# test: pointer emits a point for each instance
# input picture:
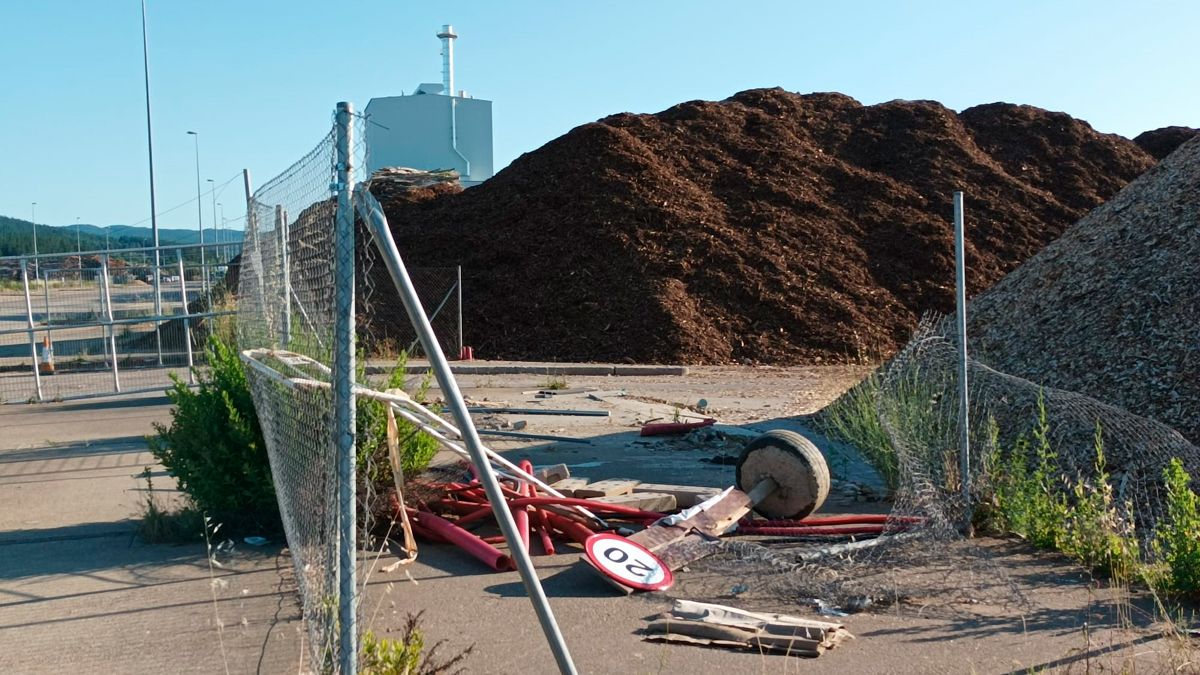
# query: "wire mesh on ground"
(924, 556)
(96, 313)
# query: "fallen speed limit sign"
(627, 563)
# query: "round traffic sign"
(628, 563)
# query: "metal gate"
(95, 323)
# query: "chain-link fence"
(94, 323)
(286, 306)
(925, 554)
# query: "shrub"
(854, 418)
(383, 656)
(416, 448)
(214, 447)
(1177, 539)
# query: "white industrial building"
(432, 128)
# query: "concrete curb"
(508, 368)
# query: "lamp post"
(199, 207)
(153, 207)
(33, 219)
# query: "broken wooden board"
(606, 488)
(720, 625)
(686, 496)
(568, 486)
(646, 501)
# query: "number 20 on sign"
(627, 563)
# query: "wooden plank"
(686, 496)
(607, 488)
(655, 538)
(568, 486)
(647, 501)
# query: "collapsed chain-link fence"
(925, 557)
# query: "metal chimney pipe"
(447, 36)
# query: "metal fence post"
(458, 285)
(960, 298)
(106, 307)
(386, 244)
(37, 376)
(343, 397)
(281, 229)
(187, 329)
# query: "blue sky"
(258, 79)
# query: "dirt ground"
(1022, 612)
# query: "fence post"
(343, 397)
(458, 285)
(37, 376)
(187, 329)
(106, 307)
(386, 244)
(281, 220)
(960, 297)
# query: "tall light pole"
(33, 219)
(199, 208)
(153, 208)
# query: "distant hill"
(16, 237)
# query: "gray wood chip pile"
(1112, 308)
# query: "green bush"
(416, 447)
(407, 655)
(1078, 517)
(854, 418)
(1177, 539)
(214, 447)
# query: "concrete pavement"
(80, 593)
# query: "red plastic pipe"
(674, 427)
(810, 531)
(480, 549)
(576, 531)
(543, 529)
(587, 504)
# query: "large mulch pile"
(1162, 142)
(767, 228)
(1112, 308)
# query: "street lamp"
(220, 227)
(199, 207)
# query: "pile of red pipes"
(464, 507)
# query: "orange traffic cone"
(46, 365)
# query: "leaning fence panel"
(286, 301)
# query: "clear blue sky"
(259, 79)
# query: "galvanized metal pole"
(153, 207)
(458, 285)
(343, 392)
(106, 296)
(462, 417)
(37, 376)
(960, 298)
(187, 329)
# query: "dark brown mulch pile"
(768, 228)
(1162, 142)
